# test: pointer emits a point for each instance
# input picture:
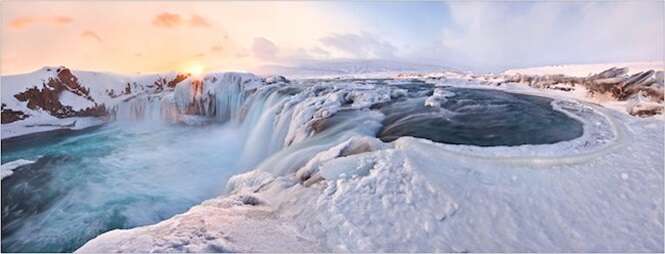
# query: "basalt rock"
(47, 97)
(10, 115)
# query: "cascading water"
(151, 164)
(142, 168)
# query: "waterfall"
(145, 108)
(283, 124)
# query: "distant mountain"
(345, 67)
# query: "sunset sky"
(141, 36)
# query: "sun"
(195, 69)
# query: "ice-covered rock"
(276, 79)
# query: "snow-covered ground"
(42, 122)
(415, 195)
(584, 70)
(328, 184)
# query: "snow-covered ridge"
(639, 86)
(59, 98)
(584, 70)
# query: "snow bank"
(46, 123)
(239, 223)
(584, 70)
(7, 168)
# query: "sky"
(145, 36)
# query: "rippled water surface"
(480, 117)
(117, 176)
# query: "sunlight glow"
(195, 69)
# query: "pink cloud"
(21, 22)
(25, 21)
(198, 21)
(61, 20)
(167, 20)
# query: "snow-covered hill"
(59, 98)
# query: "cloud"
(167, 20)
(303, 54)
(21, 22)
(317, 51)
(25, 21)
(198, 21)
(60, 20)
(497, 35)
(91, 35)
(263, 48)
(171, 20)
(363, 45)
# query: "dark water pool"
(480, 117)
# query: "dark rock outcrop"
(10, 115)
(613, 82)
(162, 83)
(47, 97)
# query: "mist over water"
(119, 176)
